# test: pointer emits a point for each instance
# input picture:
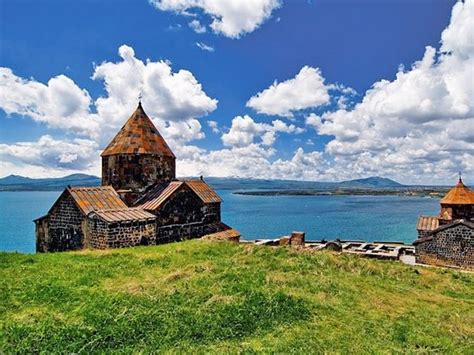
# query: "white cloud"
(205, 47)
(254, 161)
(305, 90)
(245, 130)
(51, 155)
(168, 96)
(173, 99)
(418, 127)
(197, 26)
(213, 125)
(229, 18)
(60, 103)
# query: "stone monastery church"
(448, 238)
(140, 201)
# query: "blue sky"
(344, 44)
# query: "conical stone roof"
(138, 136)
(459, 195)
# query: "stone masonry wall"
(184, 207)
(185, 216)
(137, 171)
(42, 231)
(63, 229)
(120, 234)
(178, 232)
(450, 247)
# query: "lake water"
(370, 218)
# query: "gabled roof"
(156, 196)
(459, 195)
(138, 136)
(123, 215)
(204, 191)
(90, 199)
(427, 223)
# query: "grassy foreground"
(205, 296)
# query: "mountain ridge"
(23, 183)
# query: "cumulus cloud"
(169, 97)
(60, 103)
(245, 130)
(305, 90)
(62, 155)
(418, 126)
(174, 99)
(229, 18)
(254, 161)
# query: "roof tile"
(138, 135)
(204, 191)
(122, 215)
(459, 195)
(90, 199)
(427, 223)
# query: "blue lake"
(371, 218)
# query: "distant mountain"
(21, 183)
(371, 182)
(374, 182)
(16, 180)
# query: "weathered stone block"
(297, 239)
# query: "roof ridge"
(90, 187)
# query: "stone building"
(140, 201)
(448, 239)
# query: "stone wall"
(184, 207)
(448, 247)
(465, 212)
(178, 232)
(120, 234)
(62, 229)
(137, 171)
(185, 216)
(42, 231)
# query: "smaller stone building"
(65, 226)
(448, 245)
(448, 239)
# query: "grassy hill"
(220, 297)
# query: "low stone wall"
(449, 247)
(178, 232)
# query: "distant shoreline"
(406, 192)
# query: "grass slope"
(221, 297)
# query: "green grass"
(199, 296)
